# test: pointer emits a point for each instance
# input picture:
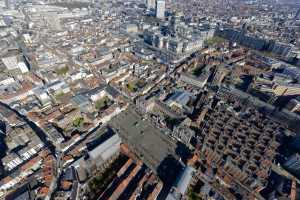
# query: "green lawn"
(132, 87)
(78, 122)
(102, 103)
(193, 195)
(214, 41)
(59, 95)
(62, 71)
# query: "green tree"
(78, 122)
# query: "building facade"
(160, 9)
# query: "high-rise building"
(160, 9)
(150, 4)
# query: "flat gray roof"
(151, 144)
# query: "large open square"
(147, 141)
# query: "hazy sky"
(290, 1)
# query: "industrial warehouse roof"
(181, 185)
(107, 148)
(181, 97)
(184, 179)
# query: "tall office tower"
(176, 22)
(160, 9)
(150, 4)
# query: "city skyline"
(149, 100)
